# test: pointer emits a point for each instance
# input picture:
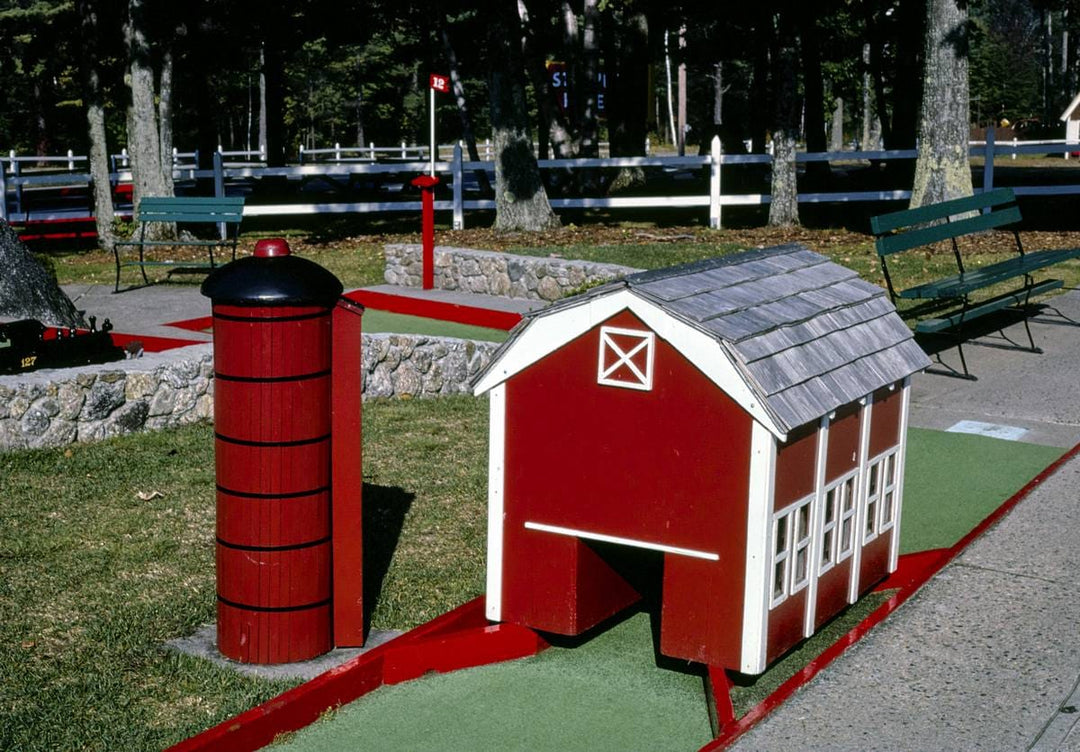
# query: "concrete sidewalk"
(986, 656)
(148, 311)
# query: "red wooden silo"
(272, 317)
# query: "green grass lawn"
(94, 579)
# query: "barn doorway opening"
(643, 570)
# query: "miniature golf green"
(607, 692)
(376, 321)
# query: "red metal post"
(346, 477)
(426, 184)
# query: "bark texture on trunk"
(942, 170)
(628, 105)
(144, 144)
(95, 120)
(521, 202)
(165, 126)
(784, 208)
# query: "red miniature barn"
(743, 416)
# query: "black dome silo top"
(272, 277)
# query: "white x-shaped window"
(626, 358)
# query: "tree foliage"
(355, 71)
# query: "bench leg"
(142, 266)
(116, 254)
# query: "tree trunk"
(814, 90)
(909, 75)
(273, 77)
(521, 203)
(759, 101)
(95, 120)
(784, 208)
(683, 126)
(628, 105)
(462, 105)
(836, 137)
(555, 123)
(262, 106)
(165, 120)
(588, 140)
(144, 143)
(670, 91)
(865, 141)
(943, 171)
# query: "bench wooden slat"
(200, 217)
(229, 201)
(884, 223)
(976, 279)
(917, 238)
(1016, 297)
(181, 243)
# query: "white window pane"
(804, 522)
(779, 576)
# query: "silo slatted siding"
(272, 435)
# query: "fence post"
(337, 151)
(714, 184)
(71, 160)
(301, 157)
(219, 186)
(403, 153)
(456, 174)
(371, 146)
(988, 164)
(1014, 144)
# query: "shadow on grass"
(384, 513)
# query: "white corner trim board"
(758, 545)
(496, 501)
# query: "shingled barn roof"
(806, 335)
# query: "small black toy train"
(28, 344)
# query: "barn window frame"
(883, 482)
(795, 522)
(846, 487)
(625, 358)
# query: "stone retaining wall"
(56, 407)
(504, 274)
(53, 407)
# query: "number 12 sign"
(439, 83)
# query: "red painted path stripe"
(435, 309)
(920, 568)
(459, 639)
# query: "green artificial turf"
(953, 481)
(604, 694)
(399, 323)
(94, 578)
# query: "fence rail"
(348, 162)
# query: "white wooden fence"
(344, 163)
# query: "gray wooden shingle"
(807, 335)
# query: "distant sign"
(560, 85)
(440, 83)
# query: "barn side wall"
(665, 466)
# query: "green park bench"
(950, 220)
(182, 210)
